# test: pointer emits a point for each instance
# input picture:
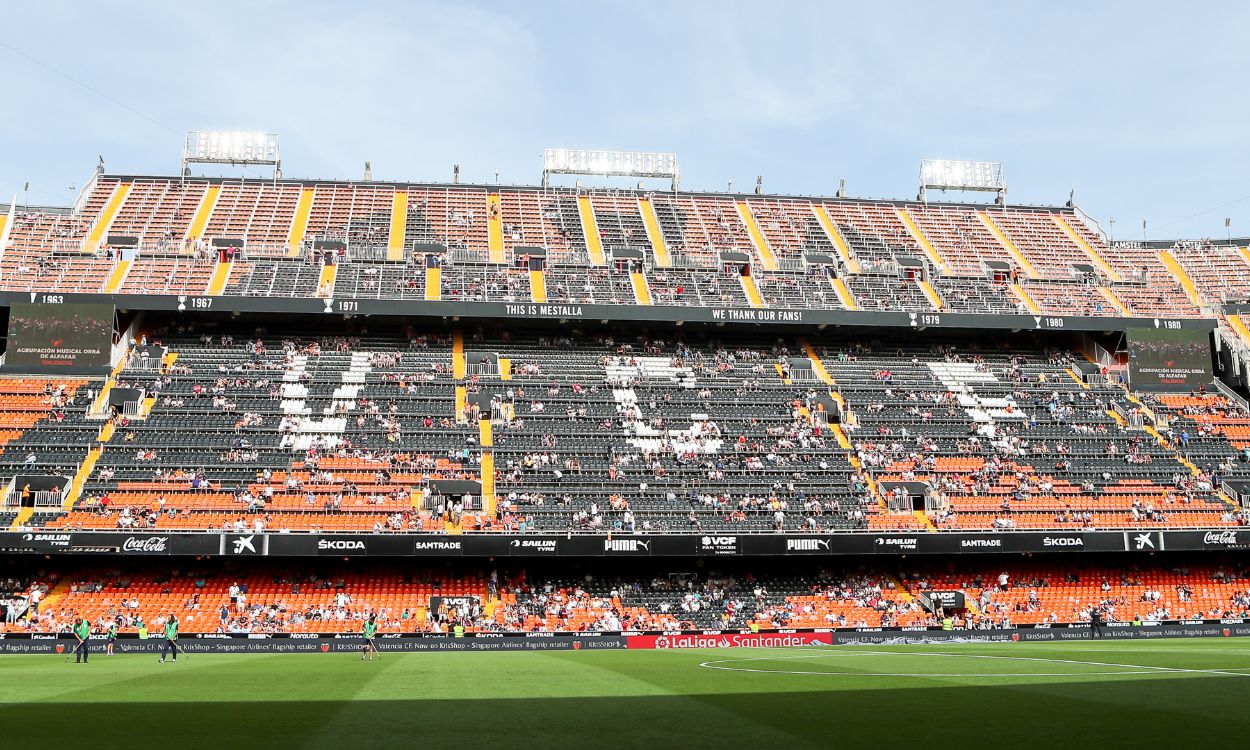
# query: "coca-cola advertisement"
(151, 545)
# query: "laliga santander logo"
(662, 642)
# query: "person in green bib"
(111, 632)
(171, 637)
(370, 632)
(82, 632)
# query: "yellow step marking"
(117, 276)
(457, 355)
(844, 294)
(1109, 295)
(299, 224)
(486, 434)
(538, 286)
(489, 499)
(843, 441)
(1075, 378)
(494, 226)
(752, 291)
(818, 366)
(1008, 245)
(23, 515)
(757, 237)
(1029, 303)
(433, 284)
(929, 250)
(203, 212)
(1081, 243)
(221, 275)
(641, 293)
(399, 225)
(325, 283)
(462, 403)
(782, 373)
(590, 228)
(931, 294)
(835, 236)
(923, 518)
(652, 223)
(1239, 326)
(85, 469)
(505, 368)
(105, 219)
(1174, 266)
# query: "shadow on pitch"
(1159, 711)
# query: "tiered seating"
(169, 275)
(43, 426)
(580, 455)
(359, 215)
(977, 296)
(697, 228)
(380, 281)
(619, 220)
(260, 212)
(797, 290)
(274, 278)
(543, 219)
(679, 287)
(1046, 455)
(790, 227)
(159, 212)
(485, 284)
(887, 293)
(873, 232)
(961, 237)
(1036, 235)
(1047, 592)
(295, 600)
(299, 438)
(1163, 296)
(587, 285)
(451, 216)
(1070, 299)
(1220, 272)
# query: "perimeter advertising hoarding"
(72, 337)
(350, 643)
(229, 544)
(1169, 359)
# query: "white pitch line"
(1135, 668)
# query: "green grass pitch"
(1097, 694)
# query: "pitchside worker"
(1095, 623)
(171, 637)
(370, 631)
(112, 636)
(82, 631)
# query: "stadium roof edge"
(538, 188)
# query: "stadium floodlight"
(232, 147)
(609, 163)
(952, 174)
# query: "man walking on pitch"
(82, 631)
(1095, 623)
(171, 637)
(369, 632)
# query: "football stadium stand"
(313, 367)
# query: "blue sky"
(1138, 106)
